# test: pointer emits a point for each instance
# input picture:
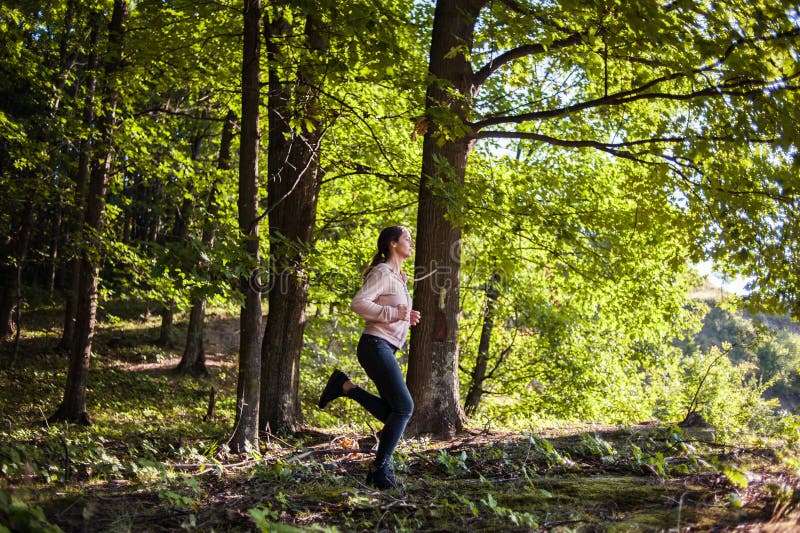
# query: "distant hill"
(776, 354)
(713, 295)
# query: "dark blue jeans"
(394, 407)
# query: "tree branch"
(720, 89)
(672, 162)
(516, 7)
(522, 51)
(562, 111)
(731, 88)
(596, 144)
(611, 148)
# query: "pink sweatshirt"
(377, 302)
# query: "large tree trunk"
(245, 433)
(433, 358)
(293, 190)
(73, 406)
(81, 181)
(194, 356)
(481, 362)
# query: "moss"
(620, 492)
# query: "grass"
(152, 461)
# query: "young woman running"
(385, 304)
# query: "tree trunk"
(71, 305)
(12, 275)
(433, 358)
(81, 181)
(66, 63)
(293, 191)
(73, 406)
(8, 301)
(179, 238)
(193, 360)
(194, 356)
(167, 313)
(51, 278)
(245, 433)
(11, 298)
(479, 371)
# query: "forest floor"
(154, 460)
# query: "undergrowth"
(154, 460)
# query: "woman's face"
(404, 246)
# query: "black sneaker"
(333, 389)
(381, 477)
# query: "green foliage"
(725, 393)
(16, 515)
(149, 457)
(598, 447)
(516, 518)
(544, 451)
(265, 520)
(453, 464)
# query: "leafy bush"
(16, 515)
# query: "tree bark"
(433, 358)
(293, 190)
(81, 181)
(167, 313)
(73, 406)
(245, 433)
(479, 371)
(193, 360)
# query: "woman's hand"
(402, 312)
(412, 316)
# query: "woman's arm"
(377, 283)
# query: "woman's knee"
(405, 407)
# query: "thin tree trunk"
(245, 432)
(433, 359)
(51, 278)
(293, 191)
(180, 233)
(66, 63)
(11, 301)
(12, 293)
(479, 371)
(7, 301)
(73, 406)
(167, 313)
(71, 305)
(194, 356)
(179, 238)
(81, 182)
(193, 360)
(17, 317)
